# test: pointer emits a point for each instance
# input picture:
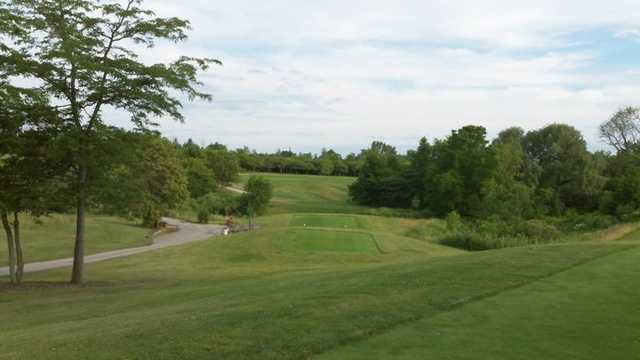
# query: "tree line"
(518, 175)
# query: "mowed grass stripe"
(580, 313)
(287, 316)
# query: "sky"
(308, 75)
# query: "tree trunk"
(78, 252)
(18, 242)
(11, 246)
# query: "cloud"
(339, 74)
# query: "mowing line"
(462, 302)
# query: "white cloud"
(341, 73)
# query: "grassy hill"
(309, 193)
(336, 285)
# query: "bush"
(454, 221)
(536, 229)
(588, 222)
(203, 216)
(466, 241)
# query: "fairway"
(331, 221)
(325, 240)
(586, 312)
(309, 193)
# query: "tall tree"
(561, 153)
(622, 131)
(83, 53)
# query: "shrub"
(588, 222)
(466, 241)
(454, 221)
(536, 229)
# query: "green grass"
(309, 193)
(331, 221)
(52, 237)
(244, 297)
(324, 240)
(582, 313)
(343, 285)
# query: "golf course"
(312, 283)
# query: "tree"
(200, 178)
(561, 154)
(28, 168)
(83, 54)
(462, 164)
(507, 194)
(146, 181)
(223, 164)
(382, 180)
(622, 131)
(255, 201)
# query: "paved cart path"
(186, 233)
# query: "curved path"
(186, 233)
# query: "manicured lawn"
(310, 193)
(245, 296)
(331, 221)
(586, 312)
(327, 240)
(311, 283)
(52, 237)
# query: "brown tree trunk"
(11, 245)
(18, 242)
(78, 252)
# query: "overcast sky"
(339, 74)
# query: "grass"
(340, 285)
(309, 193)
(334, 241)
(332, 221)
(581, 313)
(244, 297)
(52, 237)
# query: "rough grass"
(52, 237)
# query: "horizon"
(308, 76)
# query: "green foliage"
(454, 221)
(380, 182)
(465, 240)
(223, 164)
(218, 203)
(561, 154)
(255, 201)
(146, 182)
(451, 173)
(201, 180)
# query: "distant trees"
(328, 162)
(517, 176)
